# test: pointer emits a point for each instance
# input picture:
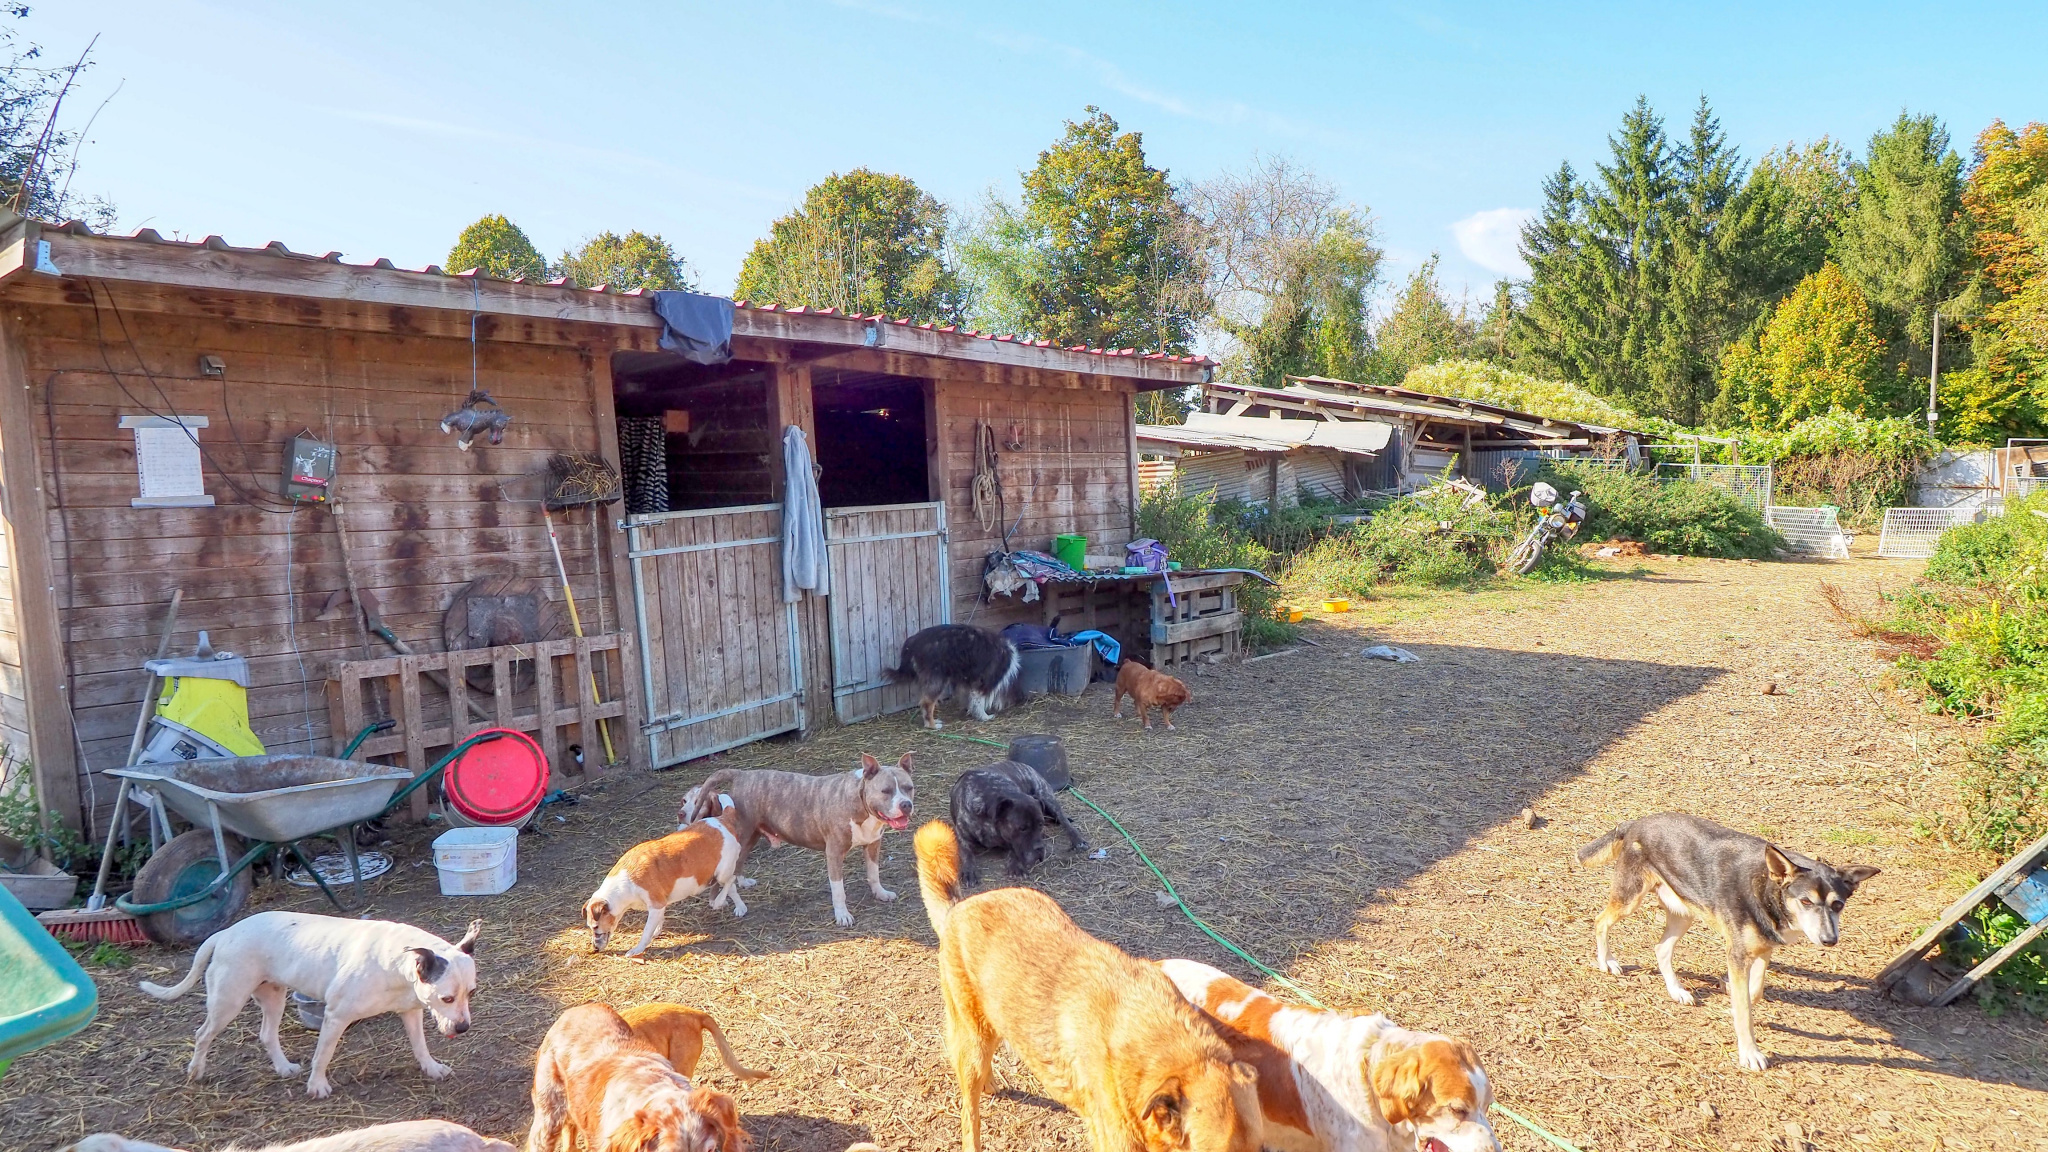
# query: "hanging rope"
(986, 496)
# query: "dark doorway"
(871, 438)
(692, 435)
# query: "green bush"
(1431, 538)
(1676, 516)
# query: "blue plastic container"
(45, 996)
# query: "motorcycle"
(1556, 523)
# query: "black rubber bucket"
(1046, 754)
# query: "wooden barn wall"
(13, 696)
(424, 518)
(1073, 474)
(727, 456)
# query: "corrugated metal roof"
(278, 249)
(1211, 431)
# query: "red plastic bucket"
(498, 781)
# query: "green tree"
(1422, 328)
(635, 260)
(1292, 269)
(496, 247)
(1819, 353)
(2004, 392)
(38, 156)
(1904, 241)
(1805, 192)
(1641, 276)
(863, 241)
(1100, 253)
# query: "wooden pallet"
(1198, 621)
(1997, 884)
(418, 692)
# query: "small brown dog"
(1148, 690)
(597, 1082)
(678, 1034)
(1105, 1034)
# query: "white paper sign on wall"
(167, 461)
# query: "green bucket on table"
(1071, 550)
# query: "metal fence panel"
(1749, 483)
(1809, 531)
(1913, 533)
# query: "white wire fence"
(1810, 531)
(1749, 483)
(1914, 533)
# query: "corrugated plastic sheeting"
(1321, 473)
(1809, 531)
(1913, 533)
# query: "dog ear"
(1162, 1117)
(1781, 866)
(1856, 874)
(1399, 1084)
(904, 763)
(720, 1109)
(427, 964)
(639, 1133)
(869, 766)
(594, 908)
(467, 945)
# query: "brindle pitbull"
(830, 814)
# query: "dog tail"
(1600, 853)
(938, 870)
(199, 963)
(725, 1053)
(702, 800)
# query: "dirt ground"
(1352, 822)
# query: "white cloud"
(1490, 239)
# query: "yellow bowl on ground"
(1336, 605)
(1293, 615)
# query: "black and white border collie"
(947, 657)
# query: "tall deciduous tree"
(862, 241)
(37, 153)
(1904, 241)
(635, 260)
(2004, 392)
(1820, 352)
(1805, 192)
(1422, 328)
(1100, 253)
(496, 247)
(1292, 268)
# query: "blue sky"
(380, 129)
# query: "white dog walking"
(404, 1136)
(356, 968)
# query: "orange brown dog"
(597, 1083)
(1148, 690)
(654, 874)
(1335, 1082)
(1105, 1034)
(678, 1034)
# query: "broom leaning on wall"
(579, 480)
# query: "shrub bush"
(1432, 538)
(1200, 534)
(1679, 516)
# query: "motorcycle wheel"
(1524, 558)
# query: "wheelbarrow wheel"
(180, 868)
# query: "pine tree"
(1904, 242)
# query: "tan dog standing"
(1105, 1034)
(595, 1082)
(678, 1034)
(828, 814)
(1337, 1082)
(657, 873)
(1148, 690)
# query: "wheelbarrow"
(198, 881)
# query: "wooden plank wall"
(424, 518)
(726, 457)
(13, 692)
(1072, 474)
(883, 590)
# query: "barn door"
(719, 657)
(888, 581)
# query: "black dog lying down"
(1005, 807)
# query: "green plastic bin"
(44, 995)
(1071, 551)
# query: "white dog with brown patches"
(1336, 1082)
(655, 874)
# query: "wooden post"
(1131, 456)
(628, 742)
(790, 403)
(45, 688)
(1465, 461)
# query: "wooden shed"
(117, 352)
(1429, 434)
(1254, 461)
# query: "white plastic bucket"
(477, 861)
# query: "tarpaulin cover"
(695, 326)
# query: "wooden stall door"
(719, 655)
(888, 580)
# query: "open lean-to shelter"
(165, 407)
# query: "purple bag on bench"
(1147, 554)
